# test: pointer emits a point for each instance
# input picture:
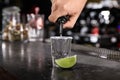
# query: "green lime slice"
(66, 62)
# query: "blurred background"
(98, 25)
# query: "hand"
(66, 7)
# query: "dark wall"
(28, 6)
(2, 5)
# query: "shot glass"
(60, 48)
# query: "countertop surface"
(32, 61)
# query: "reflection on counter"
(27, 61)
(9, 51)
(32, 61)
(59, 74)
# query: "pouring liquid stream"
(61, 29)
(62, 20)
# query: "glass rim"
(61, 37)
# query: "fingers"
(54, 16)
(71, 22)
(56, 13)
(58, 10)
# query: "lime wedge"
(66, 62)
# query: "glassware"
(60, 47)
(13, 29)
(36, 27)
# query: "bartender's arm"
(72, 8)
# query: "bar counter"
(32, 61)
